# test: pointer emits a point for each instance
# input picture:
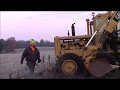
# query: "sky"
(26, 25)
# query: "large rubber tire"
(73, 57)
(107, 56)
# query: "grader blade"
(99, 67)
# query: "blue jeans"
(31, 66)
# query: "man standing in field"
(31, 54)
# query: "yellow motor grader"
(98, 52)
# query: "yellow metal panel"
(74, 37)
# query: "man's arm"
(23, 55)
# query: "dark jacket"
(30, 55)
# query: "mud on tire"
(73, 57)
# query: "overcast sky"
(25, 25)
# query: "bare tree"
(42, 43)
(10, 44)
(2, 45)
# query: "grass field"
(10, 66)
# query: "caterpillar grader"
(98, 52)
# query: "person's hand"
(39, 60)
(21, 62)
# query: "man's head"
(32, 42)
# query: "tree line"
(11, 44)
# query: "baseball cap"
(32, 41)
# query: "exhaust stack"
(73, 29)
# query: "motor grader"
(97, 52)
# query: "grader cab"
(97, 52)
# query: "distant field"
(10, 62)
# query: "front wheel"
(70, 64)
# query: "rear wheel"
(69, 64)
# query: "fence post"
(49, 60)
(43, 58)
